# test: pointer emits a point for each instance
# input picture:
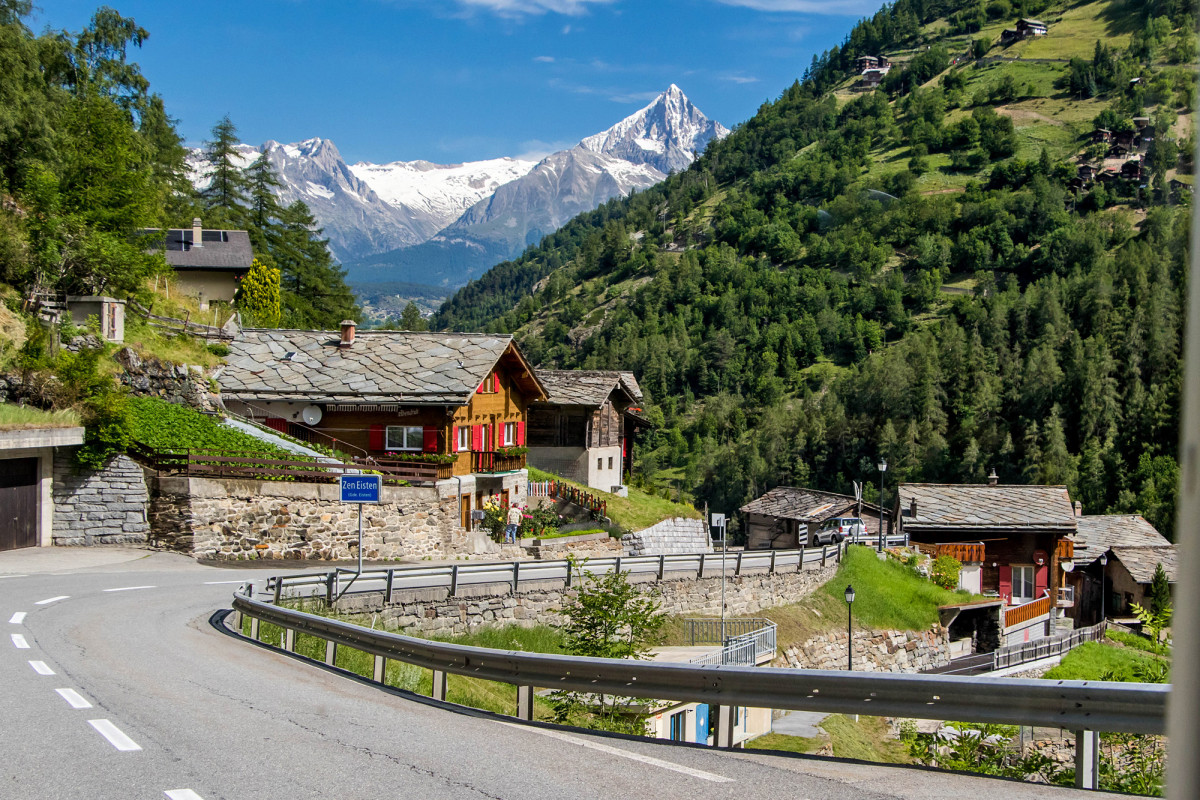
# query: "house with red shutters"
(457, 400)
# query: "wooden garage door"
(18, 503)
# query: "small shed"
(108, 311)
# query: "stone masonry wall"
(185, 385)
(678, 535)
(244, 519)
(874, 651)
(433, 611)
(105, 506)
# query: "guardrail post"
(391, 578)
(737, 569)
(662, 563)
(254, 628)
(453, 580)
(278, 589)
(439, 685)
(330, 652)
(824, 553)
(800, 563)
(724, 726)
(700, 574)
(380, 668)
(525, 703)
(330, 578)
(516, 575)
(289, 640)
(1087, 759)
(618, 567)
(771, 570)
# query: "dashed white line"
(616, 751)
(19, 642)
(14, 576)
(182, 794)
(114, 735)
(50, 600)
(17, 618)
(74, 698)
(129, 588)
(40, 668)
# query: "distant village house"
(207, 263)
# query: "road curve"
(117, 685)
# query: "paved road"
(116, 685)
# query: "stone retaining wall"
(433, 611)
(678, 535)
(600, 545)
(105, 506)
(245, 519)
(176, 383)
(874, 651)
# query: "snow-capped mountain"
(431, 223)
(668, 134)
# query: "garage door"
(18, 503)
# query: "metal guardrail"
(716, 631)
(1015, 654)
(516, 573)
(753, 641)
(1086, 707)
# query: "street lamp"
(850, 627)
(882, 469)
(1103, 561)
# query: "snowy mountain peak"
(667, 134)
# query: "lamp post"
(1103, 561)
(849, 627)
(882, 469)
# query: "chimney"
(197, 233)
(912, 507)
(348, 326)
(993, 479)
(1078, 508)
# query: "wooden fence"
(572, 494)
(180, 326)
(963, 553)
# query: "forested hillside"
(919, 271)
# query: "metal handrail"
(1076, 705)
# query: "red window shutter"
(1041, 580)
(430, 435)
(1006, 583)
(499, 435)
(495, 381)
(375, 437)
(476, 438)
(521, 433)
(481, 385)
(453, 438)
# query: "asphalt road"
(116, 684)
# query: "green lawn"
(1093, 661)
(1074, 31)
(639, 510)
(15, 418)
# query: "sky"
(461, 80)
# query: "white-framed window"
(464, 438)
(404, 437)
(510, 434)
(1022, 584)
(599, 463)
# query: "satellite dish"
(311, 415)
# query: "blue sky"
(461, 80)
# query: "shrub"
(945, 572)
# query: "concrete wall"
(580, 465)
(105, 506)
(207, 285)
(42, 444)
(874, 651)
(678, 535)
(244, 519)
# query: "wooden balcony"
(1066, 596)
(489, 462)
(963, 553)
(1015, 615)
(1064, 549)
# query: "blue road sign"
(361, 488)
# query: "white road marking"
(182, 794)
(40, 668)
(221, 583)
(130, 588)
(74, 698)
(14, 576)
(616, 751)
(18, 618)
(19, 642)
(50, 600)
(114, 735)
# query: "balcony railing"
(1016, 615)
(1066, 596)
(1064, 549)
(490, 461)
(963, 553)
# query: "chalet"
(864, 63)
(585, 426)
(456, 399)
(1020, 535)
(1031, 27)
(1179, 185)
(1141, 122)
(1144, 138)
(1118, 151)
(1132, 170)
(1107, 175)
(788, 517)
(1009, 36)
(1124, 139)
(1101, 136)
(1086, 172)
(871, 78)
(1130, 549)
(207, 263)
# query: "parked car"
(833, 531)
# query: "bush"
(945, 572)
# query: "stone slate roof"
(980, 507)
(380, 367)
(802, 505)
(1103, 531)
(1141, 561)
(579, 387)
(221, 250)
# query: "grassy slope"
(1093, 661)
(14, 418)
(639, 510)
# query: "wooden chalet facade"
(585, 426)
(1131, 548)
(455, 398)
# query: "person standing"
(514, 523)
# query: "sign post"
(360, 489)
(718, 520)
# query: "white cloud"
(544, 59)
(518, 8)
(536, 149)
(738, 78)
(832, 7)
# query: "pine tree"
(315, 294)
(1160, 591)
(411, 319)
(226, 193)
(261, 183)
